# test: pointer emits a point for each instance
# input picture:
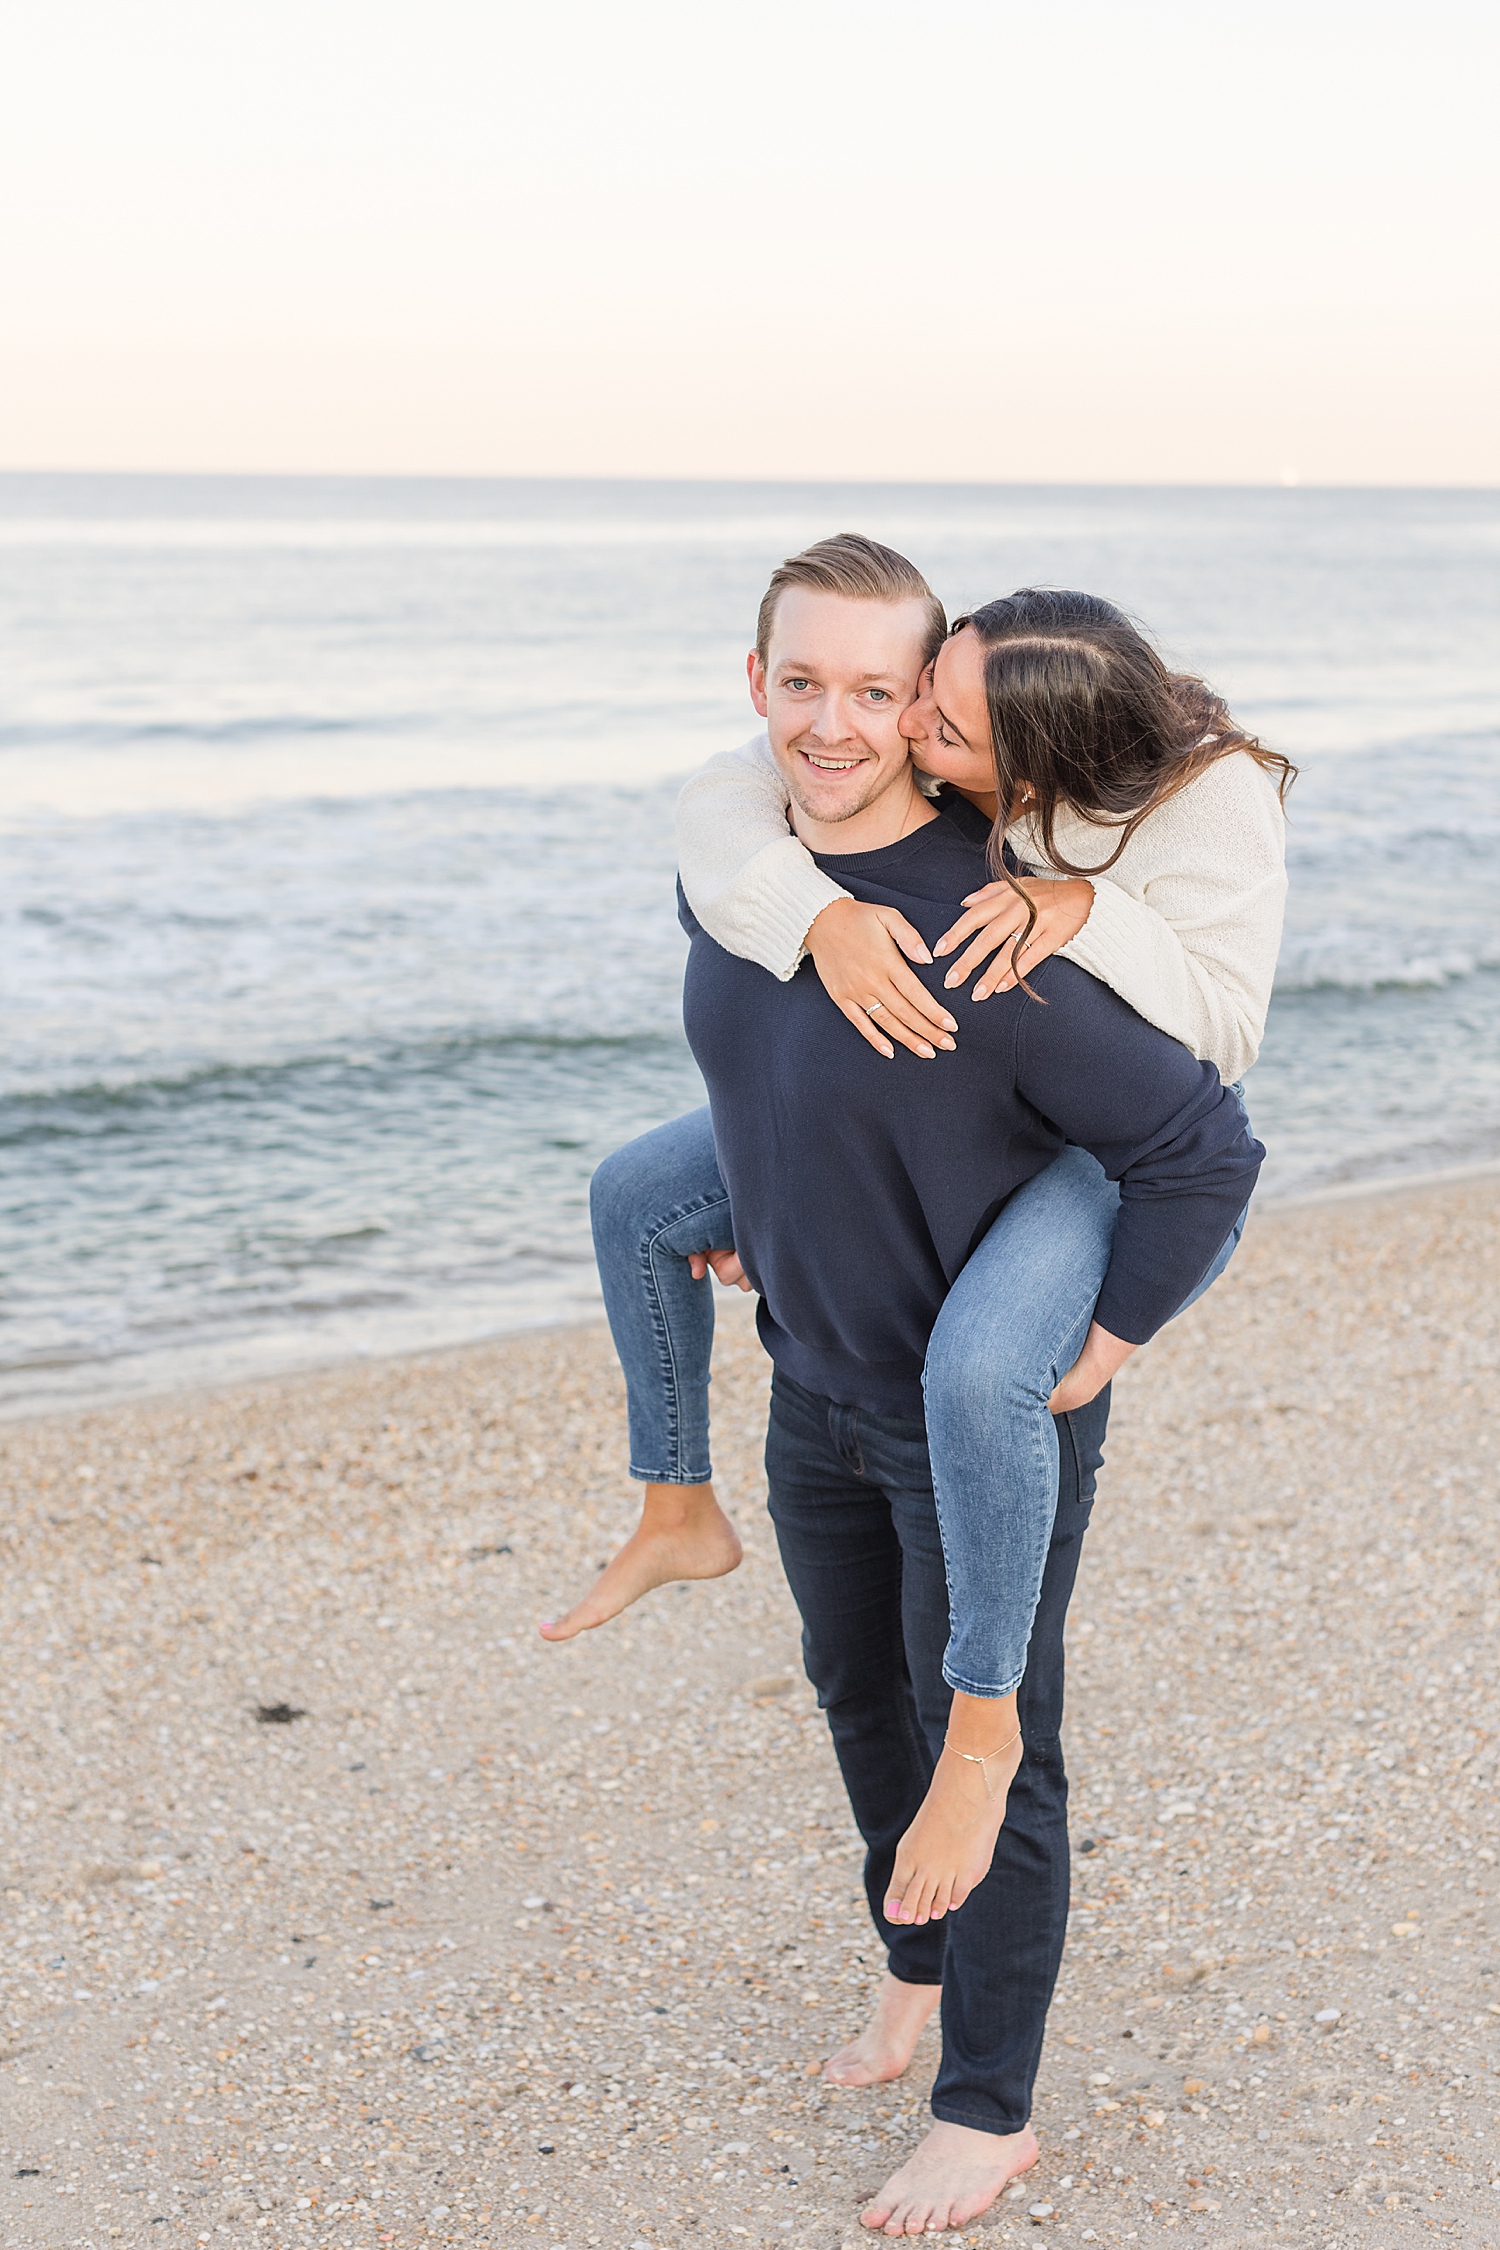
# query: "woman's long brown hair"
(1085, 717)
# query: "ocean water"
(337, 939)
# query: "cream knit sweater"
(1185, 926)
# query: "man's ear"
(756, 672)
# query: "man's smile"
(831, 765)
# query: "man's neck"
(899, 811)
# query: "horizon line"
(1286, 481)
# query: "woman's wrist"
(824, 922)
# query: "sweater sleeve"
(1161, 1124)
(1195, 952)
(752, 885)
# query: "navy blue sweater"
(859, 1186)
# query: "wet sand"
(498, 1943)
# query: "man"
(858, 1189)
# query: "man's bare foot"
(889, 2040)
(949, 1846)
(955, 2174)
(683, 1533)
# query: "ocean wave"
(372, 1075)
(1421, 971)
(207, 733)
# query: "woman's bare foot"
(955, 2174)
(683, 1533)
(948, 1848)
(889, 2040)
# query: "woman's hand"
(857, 950)
(1062, 908)
(1098, 1363)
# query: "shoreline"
(14, 1412)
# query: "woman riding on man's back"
(1138, 831)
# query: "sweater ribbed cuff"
(790, 893)
(1109, 942)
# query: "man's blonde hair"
(860, 568)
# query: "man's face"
(839, 675)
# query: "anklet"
(970, 1759)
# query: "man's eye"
(798, 683)
(879, 695)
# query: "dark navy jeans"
(852, 1502)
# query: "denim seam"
(662, 1329)
(983, 1688)
(1039, 1565)
(1064, 1349)
(945, 2107)
(916, 1737)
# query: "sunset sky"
(812, 238)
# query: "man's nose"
(831, 724)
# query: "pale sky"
(1162, 242)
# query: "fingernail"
(950, 1023)
(951, 979)
(950, 1044)
(981, 992)
(942, 946)
(927, 1054)
(925, 956)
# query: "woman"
(1148, 832)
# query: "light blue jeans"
(1013, 1324)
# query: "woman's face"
(948, 727)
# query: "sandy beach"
(341, 1910)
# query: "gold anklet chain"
(982, 1763)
